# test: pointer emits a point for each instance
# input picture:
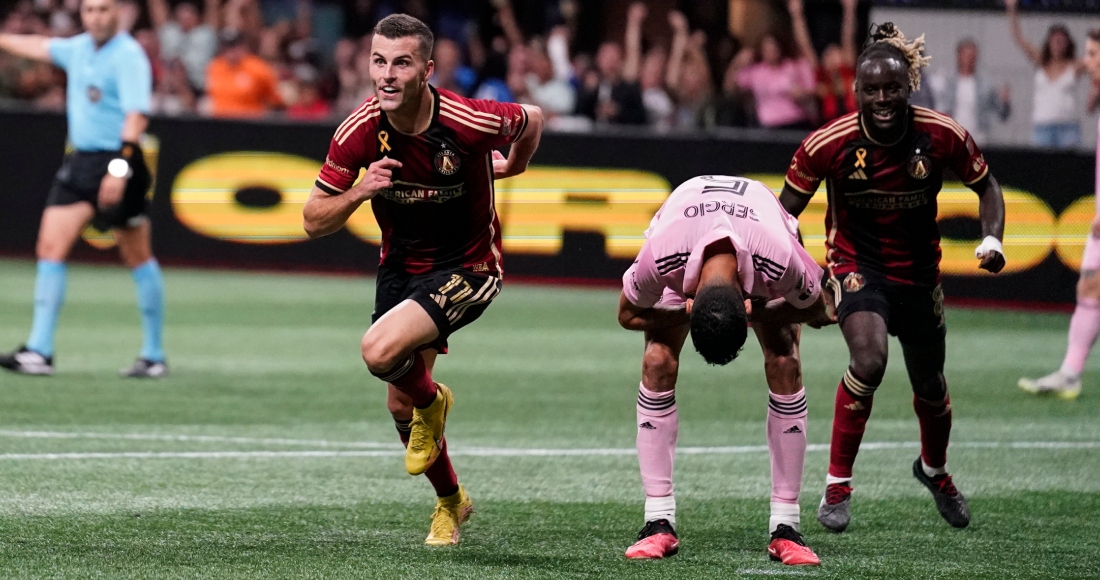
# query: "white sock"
(783, 513)
(932, 471)
(661, 508)
(831, 479)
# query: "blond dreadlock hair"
(886, 38)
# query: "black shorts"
(453, 298)
(79, 178)
(913, 313)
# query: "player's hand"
(500, 165)
(827, 313)
(992, 261)
(110, 191)
(379, 176)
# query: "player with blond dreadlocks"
(883, 168)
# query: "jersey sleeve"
(805, 171)
(135, 81)
(642, 285)
(802, 280)
(967, 160)
(61, 50)
(347, 154)
(494, 124)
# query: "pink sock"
(787, 448)
(1083, 328)
(658, 425)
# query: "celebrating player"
(883, 167)
(430, 169)
(1085, 324)
(716, 241)
(103, 181)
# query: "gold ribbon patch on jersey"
(384, 142)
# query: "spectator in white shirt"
(969, 96)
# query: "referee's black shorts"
(452, 297)
(79, 178)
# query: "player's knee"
(869, 364)
(379, 354)
(47, 249)
(659, 368)
(932, 388)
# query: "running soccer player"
(103, 181)
(1085, 324)
(716, 241)
(430, 167)
(883, 168)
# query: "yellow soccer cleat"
(449, 515)
(1057, 383)
(426, 432)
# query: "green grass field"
(269, 453)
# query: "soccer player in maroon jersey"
(430, 165)
(883, 168)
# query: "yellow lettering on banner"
(1074, 227)
(203, 196)
(150, 146)
(539, 205)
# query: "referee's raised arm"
(32, 46)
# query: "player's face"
(1092, 58)
(100, 18)
(400, 75)
(882, 87)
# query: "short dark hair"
(719, 325)
(397, 26)
(1094, 35)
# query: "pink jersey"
(770, 261)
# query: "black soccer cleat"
(145, 369)
(27, 362)
(949, 501)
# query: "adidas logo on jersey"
(859, 175)
(647, 425)
(793, 429)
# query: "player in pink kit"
(1085, 324)
(716, 242)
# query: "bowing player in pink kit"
(1085, 324)
(717, 245)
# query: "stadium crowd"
(233, 58)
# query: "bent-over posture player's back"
(430, 169)
(716, 241)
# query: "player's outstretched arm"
(324, 213)
(792, 201)
(524, 148)
(633, 317)
(991, 212)
(30, 46)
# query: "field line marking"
(195, 438)
(520, 452)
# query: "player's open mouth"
(388, 90)
(885, 115)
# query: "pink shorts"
(1091, 259)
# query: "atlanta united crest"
(918, 166)
(446, 162)
(853, 282)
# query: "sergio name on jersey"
(770, 261)
(882, 198)
(440, 212)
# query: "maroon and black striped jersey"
(440, 212)
(882, 198)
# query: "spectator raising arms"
(781, 83)
(688, 74)
(187, 35)
(835, 72)
(239, 83)
(1056, 116)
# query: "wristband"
(989, 243)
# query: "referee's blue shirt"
(104, 85)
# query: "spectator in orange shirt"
(239, 83)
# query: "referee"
(103, 181)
